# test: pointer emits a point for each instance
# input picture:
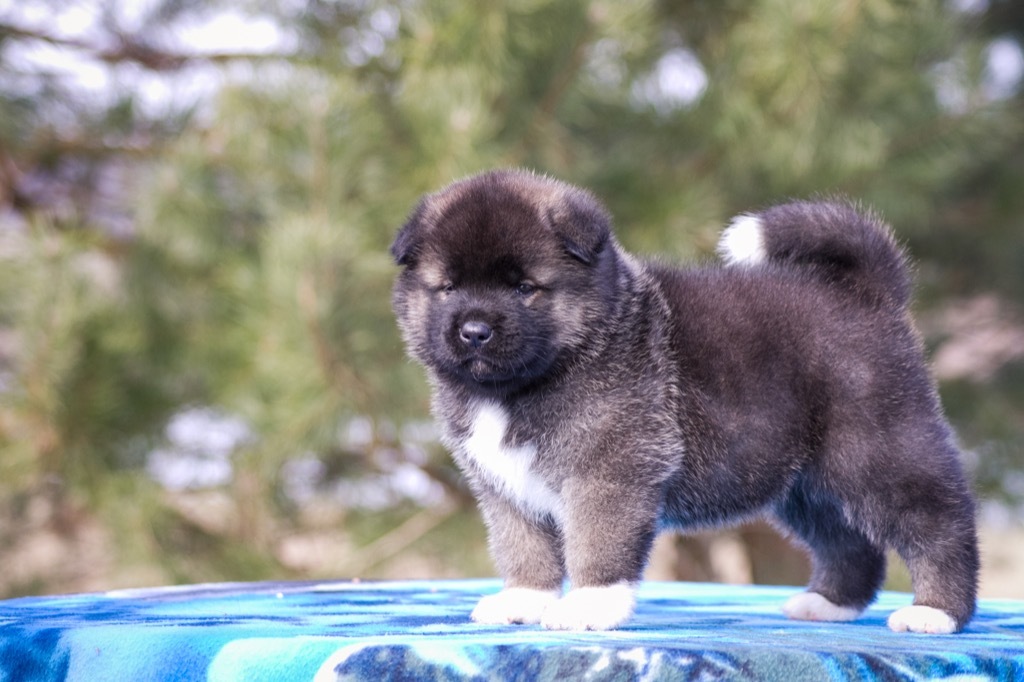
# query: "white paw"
(591, 608)
(514, 605)
(813, 606)
(742, 243)
(922, 619)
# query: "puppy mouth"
(485, 371)
(487, 355)
(501, 374)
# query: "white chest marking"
(508, 469)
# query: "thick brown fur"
(623, 396)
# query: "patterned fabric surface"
(421, 631)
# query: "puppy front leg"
(528, 555)
(608, 531)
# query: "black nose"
(475, 333)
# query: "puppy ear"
(407, 242)
(582, 223)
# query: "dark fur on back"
(642, 396)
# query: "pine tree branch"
(914, 141)
(338, 376)
(399, 538)
(557, 87)
(131, 49)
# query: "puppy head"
(572, 215)
(502, 272)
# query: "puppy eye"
(525, 288)
(447, 288)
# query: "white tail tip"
(742, 243)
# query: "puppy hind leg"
(941, 552)
(919, 503)
(847, 568)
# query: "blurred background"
(200, 375)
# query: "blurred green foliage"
(230, 253)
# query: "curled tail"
(846, 247)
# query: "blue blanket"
(421, 631)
